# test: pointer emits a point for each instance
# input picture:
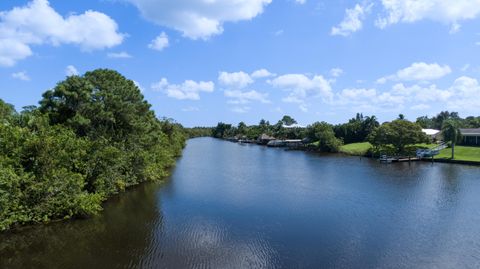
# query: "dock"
(388, 159)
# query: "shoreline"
(305, 148)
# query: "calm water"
(243, 206)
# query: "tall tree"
(398, 133)
(287, 120)
(451, 133)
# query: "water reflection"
(116, 239)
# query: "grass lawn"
(462, 153)
(356, 148)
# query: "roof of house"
(266, 137)
(470, 131)
(430, 131)
(293, 126)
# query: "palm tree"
(451, 133)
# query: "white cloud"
(119, 55)
(245, 97)
(445, 11)
(21, 76)
(236, 80)
(199, 19)
(37, 23)
(262, 73)
(160, 42)
(353, 20)
(418, 72)
(336, 72)
(466, 91)
(461, 96)
(188, 90)
(355, 95)
(301, 2)
(417, 93)
(71, 71)
(301, 88)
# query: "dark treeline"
(91, 136)
(390, 137)
(198, 132)
(437, 121)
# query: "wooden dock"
(388, 159)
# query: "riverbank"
(463, 155)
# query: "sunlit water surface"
(245, 206)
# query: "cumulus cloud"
(21, 76)
(245, 97)
(301, 87)
(119, 55)
(188, 90)
(462, 95)
(418, 72)
(262, 73)
(465, 91)
(353, 20)
(236, 80)
(450, 12)
(71, 71)
(38, 23)
(160, 42)
(199, 19)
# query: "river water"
(228, 205)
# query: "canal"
(229, 205)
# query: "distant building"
(470, 137)
(264, 139)
(293, 126)
(433, 133)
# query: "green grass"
(462, 153)
(358, 149)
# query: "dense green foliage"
(323, 134)
(91, 137)
(399, 134)
(198, 132)
(437, 121)
(357, 129)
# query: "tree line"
(92, 136)
(399, 136)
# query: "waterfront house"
(293, 126)
(470, 137)
(433, 134)
(264, 139)
(276, 143)
(291, 143)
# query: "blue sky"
(204, 61)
